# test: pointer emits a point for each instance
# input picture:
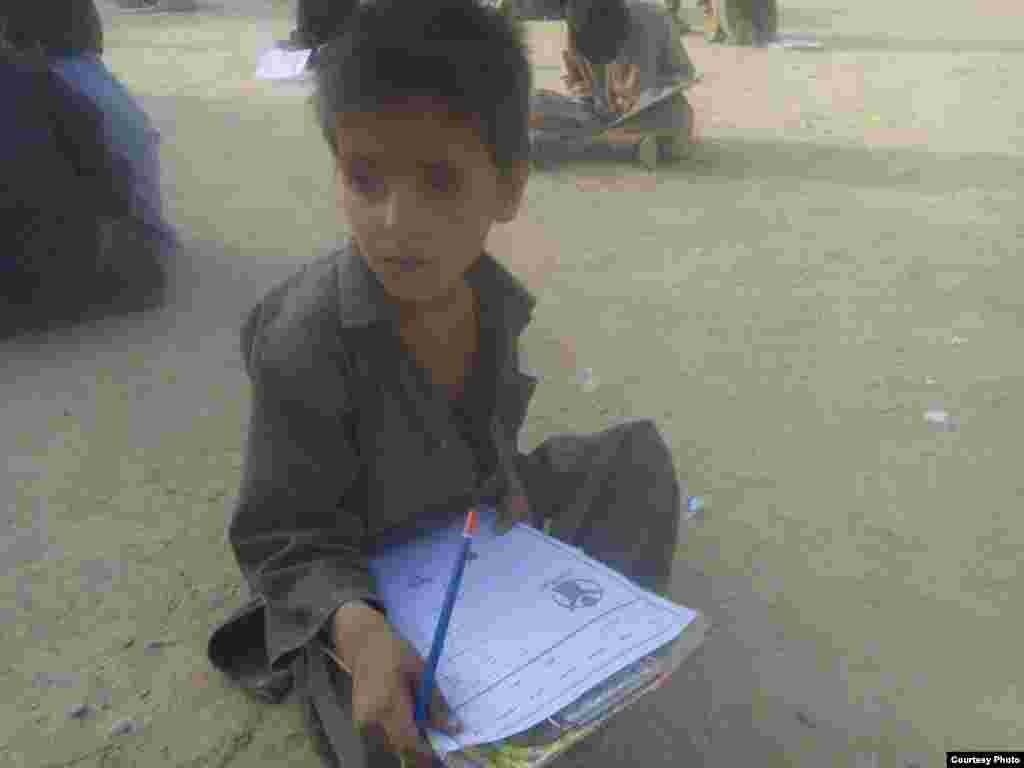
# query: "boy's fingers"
(405, 738)
(587, 72)
(375, 736)
(438, 710)
(441, 716)
(632, 76)
(413, 759)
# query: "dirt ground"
(836, 261)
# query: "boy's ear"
(511, 187)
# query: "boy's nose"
(404, 208)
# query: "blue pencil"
(426, 688)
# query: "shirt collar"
(363, 301)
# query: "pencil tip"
(471, 524)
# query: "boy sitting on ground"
(387, 394)
(618, 50)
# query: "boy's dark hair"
(598, 28)
(58, 27)
(470, 57)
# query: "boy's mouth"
(407, 263)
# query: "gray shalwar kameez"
(351, 444)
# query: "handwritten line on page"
(536, 625)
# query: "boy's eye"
(362, 179)
(442, 178)
(366, 183)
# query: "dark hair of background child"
(319, 21)
(597, 28)
(470, 56)
(58, 27)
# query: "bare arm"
(353, 623)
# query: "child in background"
(616, 51)
(682, 25)
(317, 22)
(60, 179)
(387, 391)
(137, 246)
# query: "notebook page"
(536, 624)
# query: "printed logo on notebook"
(577, 593)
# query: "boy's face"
(421, 193)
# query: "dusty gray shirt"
(349, 439)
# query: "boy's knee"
(646, 450)
(643, 437)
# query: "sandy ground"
(835, 261)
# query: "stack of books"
(540, 745)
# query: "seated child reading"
(387, 394)
(60, 180)
(616, 51)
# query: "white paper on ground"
(795, 42)
(280, 64)
(536, 624)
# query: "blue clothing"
(59, 177)
(128, 129)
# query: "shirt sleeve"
(296, 532)
(673, 61)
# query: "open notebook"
(571, 117)
(545, 644)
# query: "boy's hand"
(623, 86)
(578, 77)
(386, 673)
(515, 510)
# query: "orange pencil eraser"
(471, 525)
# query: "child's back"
(60, 181)
(121, 262)
(127, 128)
